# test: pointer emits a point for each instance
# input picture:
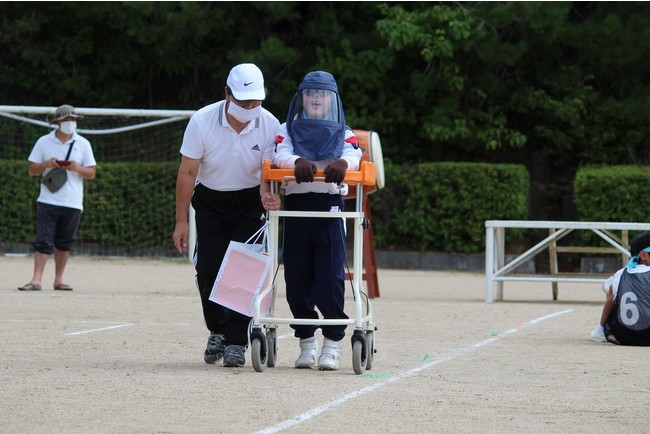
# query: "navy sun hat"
(316, 139)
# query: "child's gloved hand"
(335, 172)
(304, 171)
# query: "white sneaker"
(598, 336)
(308, 353)
(330, 356)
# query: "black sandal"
(30, 287)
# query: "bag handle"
(261, 232)
(69, 150)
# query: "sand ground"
(123, 353)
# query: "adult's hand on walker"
(180, 237)
(305, 170)
(271, 202)
(335, 171)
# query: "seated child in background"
(625, 319)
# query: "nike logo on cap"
(250, 82)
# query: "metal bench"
(497, 271)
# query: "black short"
(56, 227)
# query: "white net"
(117, 135)
(129, 208)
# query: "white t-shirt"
(285, 158)
(229, 161)
(49, 146)
(615, 280)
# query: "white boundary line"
(400, 376)
(115, 326)
(83, 332)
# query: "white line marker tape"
(400, 376)
(83, 332)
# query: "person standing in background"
(59, 212)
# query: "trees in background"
(552, 85)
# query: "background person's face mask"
(68, 127)
(243, 115)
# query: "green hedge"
(444, 206)
(18, 193)
(612, 193)
(130, 207)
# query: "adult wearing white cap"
(59, 209)
(223, 149)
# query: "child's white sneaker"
(330, 356)
(308, 353)
(598, 336)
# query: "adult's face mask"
(68, 127)
(242, 114)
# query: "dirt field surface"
(123, 353)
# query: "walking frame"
(263, 345)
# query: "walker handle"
(367, 174)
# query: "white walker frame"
(263, 345)
(497, 271)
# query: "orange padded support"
(366, 175)
(363, 137)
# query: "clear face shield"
(317, 104)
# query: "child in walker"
(315, 137)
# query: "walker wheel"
(359, 352)
(370, 344)
(359, 359)
(271, 348)
(258, 354)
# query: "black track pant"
(222, 216)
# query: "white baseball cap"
(246, 82)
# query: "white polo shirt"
(49, 146)
(229, 161)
